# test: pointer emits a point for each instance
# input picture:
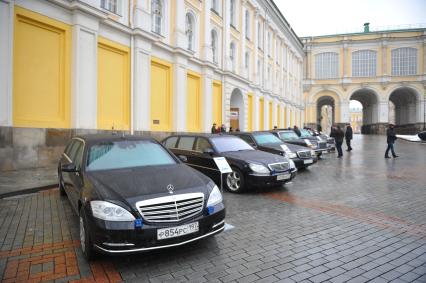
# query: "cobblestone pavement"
(357, 219)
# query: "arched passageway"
(370, 109)
(326, 113)
(405, 109)
(237, 110)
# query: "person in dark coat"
(391, 138)
(348, 137)
(223, 129)
(339, 135)
(214, 129)
(333, 132)
(297, 131)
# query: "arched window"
(326, 65)
(189, 31)
(156, 16)
(214, 45)
(247, 60)
(247, 25)
(364, 63)
(232, 55)
(269, 44)
(232, 12)
(404, 61)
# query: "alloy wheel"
(233, 180)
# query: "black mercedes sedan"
(132, 195)
(250, 167)
(302, 156)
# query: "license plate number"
(308, 161)
(178, 231)
(283, 177)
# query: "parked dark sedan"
(250, 167)
(331, 144)
(302, 156)
(306, 139)
(133, 195)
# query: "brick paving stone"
(356, 219)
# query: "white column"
(384, 58)
(265, 112)
(243, 69)
(345, 52)
(179, 93)
(227, 64)
(383, 112)
(84, 71)
(179, 32)
(256, 111)
(6, 55)
(207, 90)
(275, 106)
(288, 118)
(256, 44)
(265, 81)
(142, 86)
(142, 15)
(207, 49)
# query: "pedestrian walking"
(348, 137)
(391, 138)
(231, 130)
(214, 129)
(338, 136)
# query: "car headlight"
(292, 154)
(313, 154)
(109, 211)
(258, 168)
(215, 197)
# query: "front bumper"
(258, 180)
(300, 162)
(122, 237)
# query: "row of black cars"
(134, 194)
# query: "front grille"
(171, 208)
(322, 145)
(279, 167)
(304, 154)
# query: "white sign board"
(222, 164)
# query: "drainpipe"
(131, 11)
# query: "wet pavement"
(361, 218)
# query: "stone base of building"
(409, 129)
(23, 148)
(380, 129)
(374, 129)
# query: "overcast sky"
(320, 17)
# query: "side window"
(171, 142)
(79, 155)
(247, 139)
(68, 147)
(202, 144)
(186, 143)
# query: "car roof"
(221, 135)
(250, 133)
(97, 138)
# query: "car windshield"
(288, 135)
(225, 144)
(305, 133)
(266, 138)
(126, 154)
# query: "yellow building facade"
(375, 68)
(143, 66)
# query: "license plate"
(283, 177)
(178, 231)
(308, 161)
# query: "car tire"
(61, 184)
(234, 182)
(85, 241)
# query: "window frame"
(364, 63)
(157, 29)
(404, 61)
(326, 65)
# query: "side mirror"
(208, 151)
(183, 158)
(70, 167)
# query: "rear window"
(305, 133)
(186, 143)
(225, 144)
(171, 142)
(126, 154)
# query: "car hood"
(255, 156)
(135, 184)
(296, 148)
(274, 146)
